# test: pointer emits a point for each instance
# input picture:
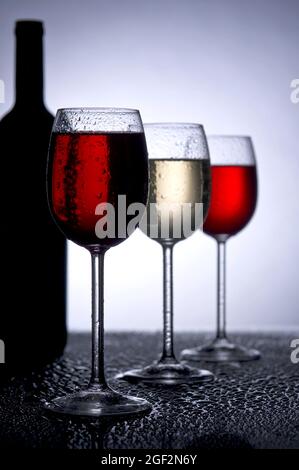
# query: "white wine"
(178, 198)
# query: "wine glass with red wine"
(233, 201)
(96, 155)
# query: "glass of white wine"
(179, 194)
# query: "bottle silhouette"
(33, 251)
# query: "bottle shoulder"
(23, 116)
(18, 111)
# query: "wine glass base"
(174, 373)
(97, 403)
(220, 350)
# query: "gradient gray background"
(227, 64)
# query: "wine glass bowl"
(91, 167)
(179, 169)
(233, 202)
(96, 156)
(234, 179)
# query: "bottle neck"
(29, 71)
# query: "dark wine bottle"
(33, 250)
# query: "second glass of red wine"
(233, 201)
(96, 155)
(179, 177)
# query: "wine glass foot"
(97, 404)
(220, 350)
(167, 373)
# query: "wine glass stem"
(221, 314)
(97, 317)
(168, 352)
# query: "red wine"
(233, 199)
(87, 169)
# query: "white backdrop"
(226, 64)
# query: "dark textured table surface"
(253, 405)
